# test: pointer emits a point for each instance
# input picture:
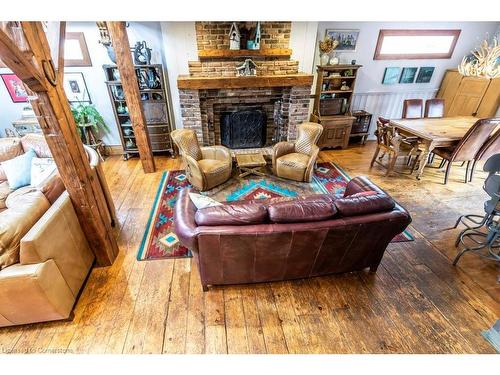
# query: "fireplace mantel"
(204, 83)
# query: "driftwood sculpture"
(484, 63)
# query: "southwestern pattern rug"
(159, 240)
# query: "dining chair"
(394, 145)
(488, 149)
(412, 108)
(434, 108)
(468, 146)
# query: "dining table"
(434, 132)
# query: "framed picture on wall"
(76, 88)
(408, 75)
(425, 74)
(348, 39)
(391, 75)
(15, 87)
(76, 52)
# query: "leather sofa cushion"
(10, 148)
(232, 214)
(311, 208)
(25, 208)
(5, 190)
(37, 143)
(364, 203)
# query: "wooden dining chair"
(394, 145)
(488, 149)
(469, 145)
(412, 108)
(434, 108)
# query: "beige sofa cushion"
(10, 148)
(25, 207)
(5, 190)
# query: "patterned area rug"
(160, 241)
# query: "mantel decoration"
(247, 69)
(483, 62)
(234, 37)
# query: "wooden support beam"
(121, 46)
(54, 115)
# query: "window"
(415, 44)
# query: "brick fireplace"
(212, 89)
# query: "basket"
(362, 122)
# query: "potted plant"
(87, 114)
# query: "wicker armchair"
(295, 161)
(206, 167)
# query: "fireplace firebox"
(244, 128)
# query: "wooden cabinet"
(469, 96)
(332, 103)
(154, 104)
(336, 131)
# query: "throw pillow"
(201, 201)
(41, 169)
(18, 170)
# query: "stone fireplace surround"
(212, 87)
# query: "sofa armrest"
(360, 184)
(184, 219)
(57, 235)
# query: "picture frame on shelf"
(76, 88)
(391, 75)
(348, 39)
(15, 87)
(425, 74)
(408, 75)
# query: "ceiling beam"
(121, 46)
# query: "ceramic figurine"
(234, 37)
(344, 86)
(130, 143)
(121, 109)
(142, 54)
(153, 79)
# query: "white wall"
(179, 44)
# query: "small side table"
(250, 164)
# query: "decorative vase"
(334, 60)
(121, 109)
(324, 59)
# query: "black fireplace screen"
(243, 129)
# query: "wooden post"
(121, 46)
(54, 115)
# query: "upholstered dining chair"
(488, 149)
(206, 167)
(296, 160)
(434, 108)
(469, 145)
(394, 145)
(412, 108)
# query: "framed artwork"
(348, 39)
(408, 75)
(425, 74)
(415, 44)
(76, 52)
(15, 87)
(76, 88)
(391, 75)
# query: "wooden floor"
(417, 302)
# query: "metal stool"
(489, 239)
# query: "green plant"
(88, 114)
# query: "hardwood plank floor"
(417, 302)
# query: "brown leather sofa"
(281, 239)
(44, 257)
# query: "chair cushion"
(294, 160)
(212, 166)
(24, 210)
(363, 203)
(232, 214)
(311, 208)
(18, 169)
